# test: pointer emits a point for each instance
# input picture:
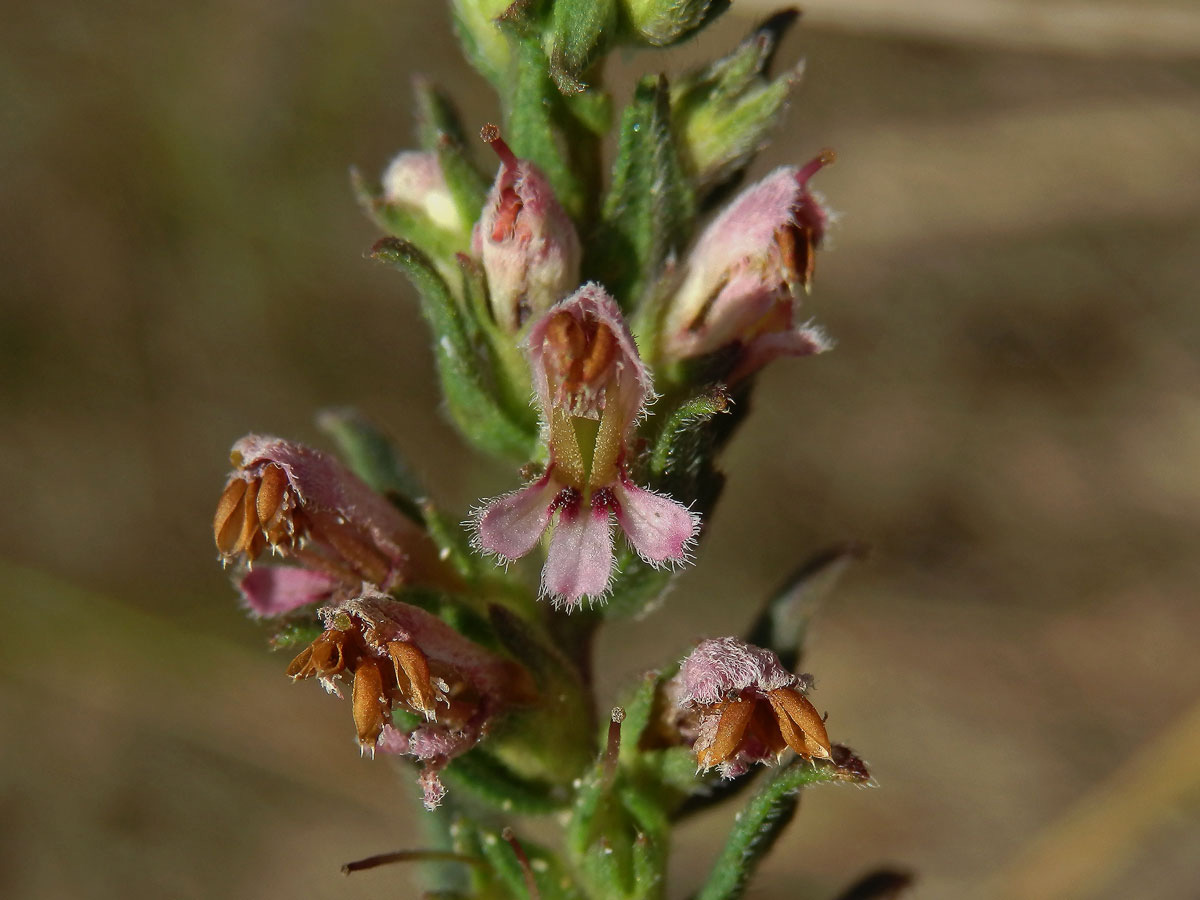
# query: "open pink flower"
(743, 279)
(592, 387)
(525, 240)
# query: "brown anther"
(369, 704)
(800, 723)
(302, 666)
(731, 726)
(250, 527)
(601, 350)
(565, 345)
(412, 677)
(271, 494)
(227, 522)
(329, 653)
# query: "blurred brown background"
(1011, 419)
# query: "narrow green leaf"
(489, 780)
(553, 883)
(678, 453)
(463, 370)
(650, 209)
(579, 31)
(662, 23)
(441, 132)
(763, 819)
(533, 115)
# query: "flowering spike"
(592, 388)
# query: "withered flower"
(397, 656)
(306, 506)
(749, 708)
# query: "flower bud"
(722, 113)
(742, 281)
(414, 182)
(663, 22)
(525, 240)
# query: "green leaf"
(371, 455)
(551, 878)
(533, 115)
(579, 31)
(296, 634)
(650, 209)
(784, 621)
(441, 132)
(683, 450)
(763, 819)
(465, 373)
(661, 23)
(489, 780)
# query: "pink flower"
(749, 707)
(742, 282)
(307, 507)
(525, 240)
(592, 387)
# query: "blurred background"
(1011, 420)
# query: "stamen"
(491, 135)
(271, 493)
(412, 676)
(227, 522)
(602, 348)
(565, 344)
(523, 860)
